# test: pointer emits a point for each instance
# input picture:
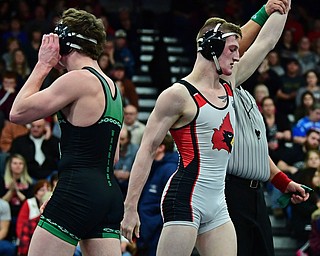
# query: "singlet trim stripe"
(103, 80)
(58, 231)
(110, 120)
(191, 91)
(195, 94)
(103, 118)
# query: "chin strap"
(216, 63)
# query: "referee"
(250, 166)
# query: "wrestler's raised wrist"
(261, 16)
(129, 206)
(281, 181)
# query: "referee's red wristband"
(281, 181)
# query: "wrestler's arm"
(249, 32)
(167, 111)
(265, 42)
(31, 104)
(251, 29)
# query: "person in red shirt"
(29, 216)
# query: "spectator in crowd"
(105, 63)
(269, 76)
(9, 133)
(291, 82)
(5, 17)
(2, 67)
(293, 158)
(301, 213)
(307, 58)
(291, 161)
(314, 32)
(277, 128)
(295, 25)
(312, 161)
(274, 63)
(32, 48)
(15, 187)
(164, 165)
(16, 31)
(23, 12)
(127, 154)
(109, 50)
(127, 23)
(316, 49)
(12, 45)
(41, 153)
(286, 46)
(8, 93)
(311, 85)
(108, 27)
(29, 216)
(314, 238)
(20, 65)
(39, 21)
(303, 109)
(260, 91)
(7, 248)
(132, 123)
(126, 86)
(123, 54)
(311, 121)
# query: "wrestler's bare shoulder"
(82, 80)
(176, 92)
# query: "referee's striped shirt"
(249, 158)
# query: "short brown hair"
(168, 142)
(86, 24)
(10, 75)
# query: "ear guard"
(70, 40)
(212, 43)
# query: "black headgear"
(212, 43)
(69, 40)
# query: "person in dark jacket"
(301, 213)
(8, 92)
(164, 165)
(41, 153)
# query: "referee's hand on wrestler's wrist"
(276, 5)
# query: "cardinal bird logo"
(222, 138)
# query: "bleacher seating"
(179, 67)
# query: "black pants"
(249, 214)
